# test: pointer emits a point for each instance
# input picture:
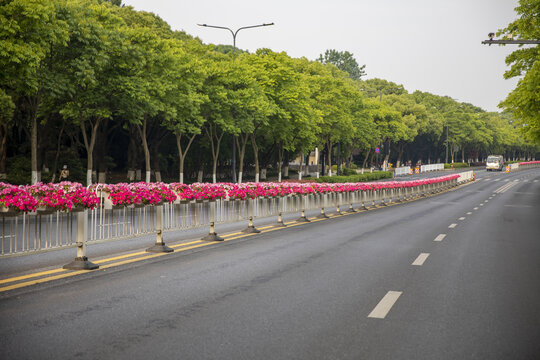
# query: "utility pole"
(234, 33)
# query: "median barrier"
(114, 216)
(404, 170)
(431, 167)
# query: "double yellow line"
(18, 282)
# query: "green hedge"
(356, 178)
(456, 165)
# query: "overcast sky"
(427, 45)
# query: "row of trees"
(87, 78)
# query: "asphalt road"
(343, 288)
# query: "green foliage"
(356, 178)
(456, 165)
(95, 71)
(524, 100)
(344, 61)
(18, 170)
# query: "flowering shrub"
(529, 163)
(50, 196)
(137, 193)
(16, 198)
(67, 195)
(79, 195)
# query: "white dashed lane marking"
(461, 218)
(420, 259)
(451, 226)
(439, 237)
(383, 307)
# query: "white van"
(495, 162)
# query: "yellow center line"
(241, 236)
(23, 277)
(183, 247)
(232, 234)
(184, 244)
(39, 281)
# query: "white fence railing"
(30, 234)
(404, 170)
(431, 167)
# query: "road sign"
(377, 150)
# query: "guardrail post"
(398, 195)
(323, 204)
(81, 262)
(251, 229)
(280, 211)
(383, 203)
(212, 236)
(337, 202)
(364, 199)
(160, 245)
(303, 217)
(350, 196)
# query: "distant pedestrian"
(64, 173)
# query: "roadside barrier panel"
(405, 170)
(46, 230)
(431, 167)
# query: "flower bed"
(16, 199)
(68, 196)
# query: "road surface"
(453, 276)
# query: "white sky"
(427, 45)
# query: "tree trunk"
(368, 151)
(329, 147)
(142, 133)
(241, 153)
(286, 165)
(256, 155)
(182, 153)
(89, 145)
(280, 160)
(34, 151)
(3, 150)
(57, 155)
(211, 131)
(301, 165)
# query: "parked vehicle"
(495, 162)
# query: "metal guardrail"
(30, 234)
(404, 170)
(431, 167)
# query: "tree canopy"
(108, 90)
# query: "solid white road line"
(384, 306)
(420, 259)
(451, 226)
(439, 237)
(461, 218)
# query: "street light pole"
(446, 161)
(234, 33)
